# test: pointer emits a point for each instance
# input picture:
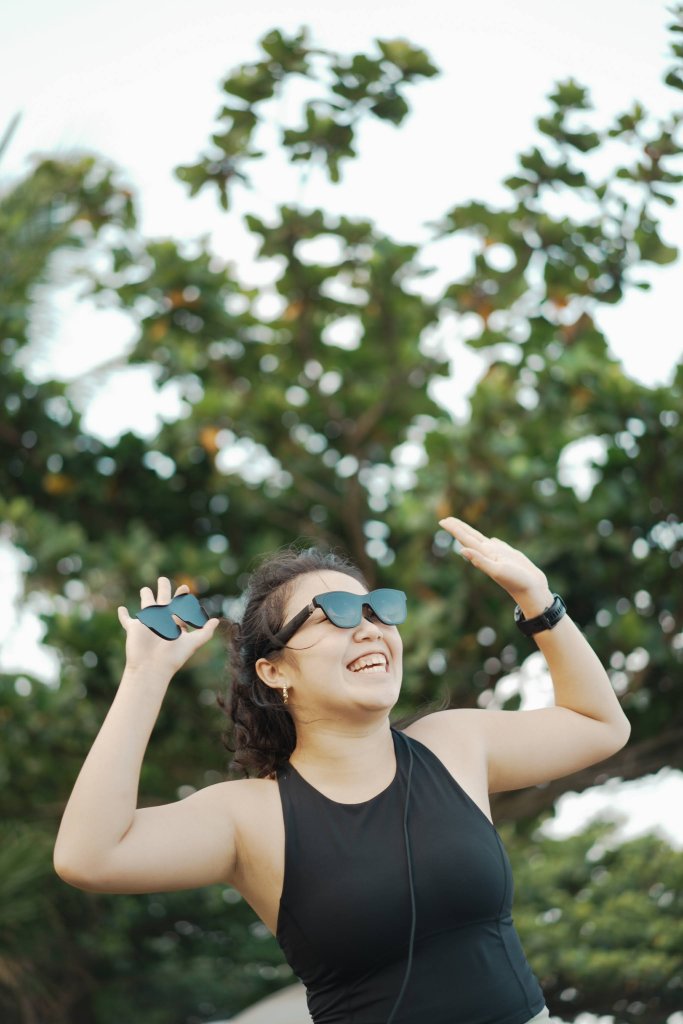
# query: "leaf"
(515, 183)
(411, 60)
(674, 79)
(667, 198)
(289, 53)
(252, 83)
(570, 95)
(393, 108)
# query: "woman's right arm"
(105, 843)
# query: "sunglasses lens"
(188, 608)
(158, 619)
(345, 610)
(342, 609)
(389, 606)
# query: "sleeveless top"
(345, 914)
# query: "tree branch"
(631, 762)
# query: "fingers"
(462, 532)
(124, 617)
(479, 559)
(482, 551)
(163, 595)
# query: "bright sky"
(139, 83)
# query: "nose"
(368, 628)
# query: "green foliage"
(72, 956)
(60, 206)
(317, 422)
(601, 922)
(38, 975)
(360, 85)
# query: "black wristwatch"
(546, 620)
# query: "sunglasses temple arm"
(283, 635)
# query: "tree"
(292, 429)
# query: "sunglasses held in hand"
(157, 617)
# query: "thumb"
(203, 635)
(211, 626)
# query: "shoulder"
(453, 738)
(439, 726)
(227, 807)
(238, 794)
(446, 731)
(248, 803)
(243, 808)
(220, 805)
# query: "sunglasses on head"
(345, 610)
(157, 617)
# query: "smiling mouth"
(379, 668)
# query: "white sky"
(139, 83)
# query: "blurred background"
(326, 276)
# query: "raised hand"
(510, 569)
(144, 648)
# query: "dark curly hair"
(263, 731)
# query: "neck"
(343, 751)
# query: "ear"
(269, 673)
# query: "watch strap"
(546, 620)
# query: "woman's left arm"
(587, 723)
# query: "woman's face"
(317, 669)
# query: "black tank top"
(345, 913)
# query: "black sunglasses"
(157, 617)
(345, 610)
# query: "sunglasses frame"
(285, 634)
(163, 612)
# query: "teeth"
(370, 663)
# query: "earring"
(285, 695)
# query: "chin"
(378, 701)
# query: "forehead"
(308, 586)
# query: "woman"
(368, 851)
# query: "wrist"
(141, 675)
(534, 602)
